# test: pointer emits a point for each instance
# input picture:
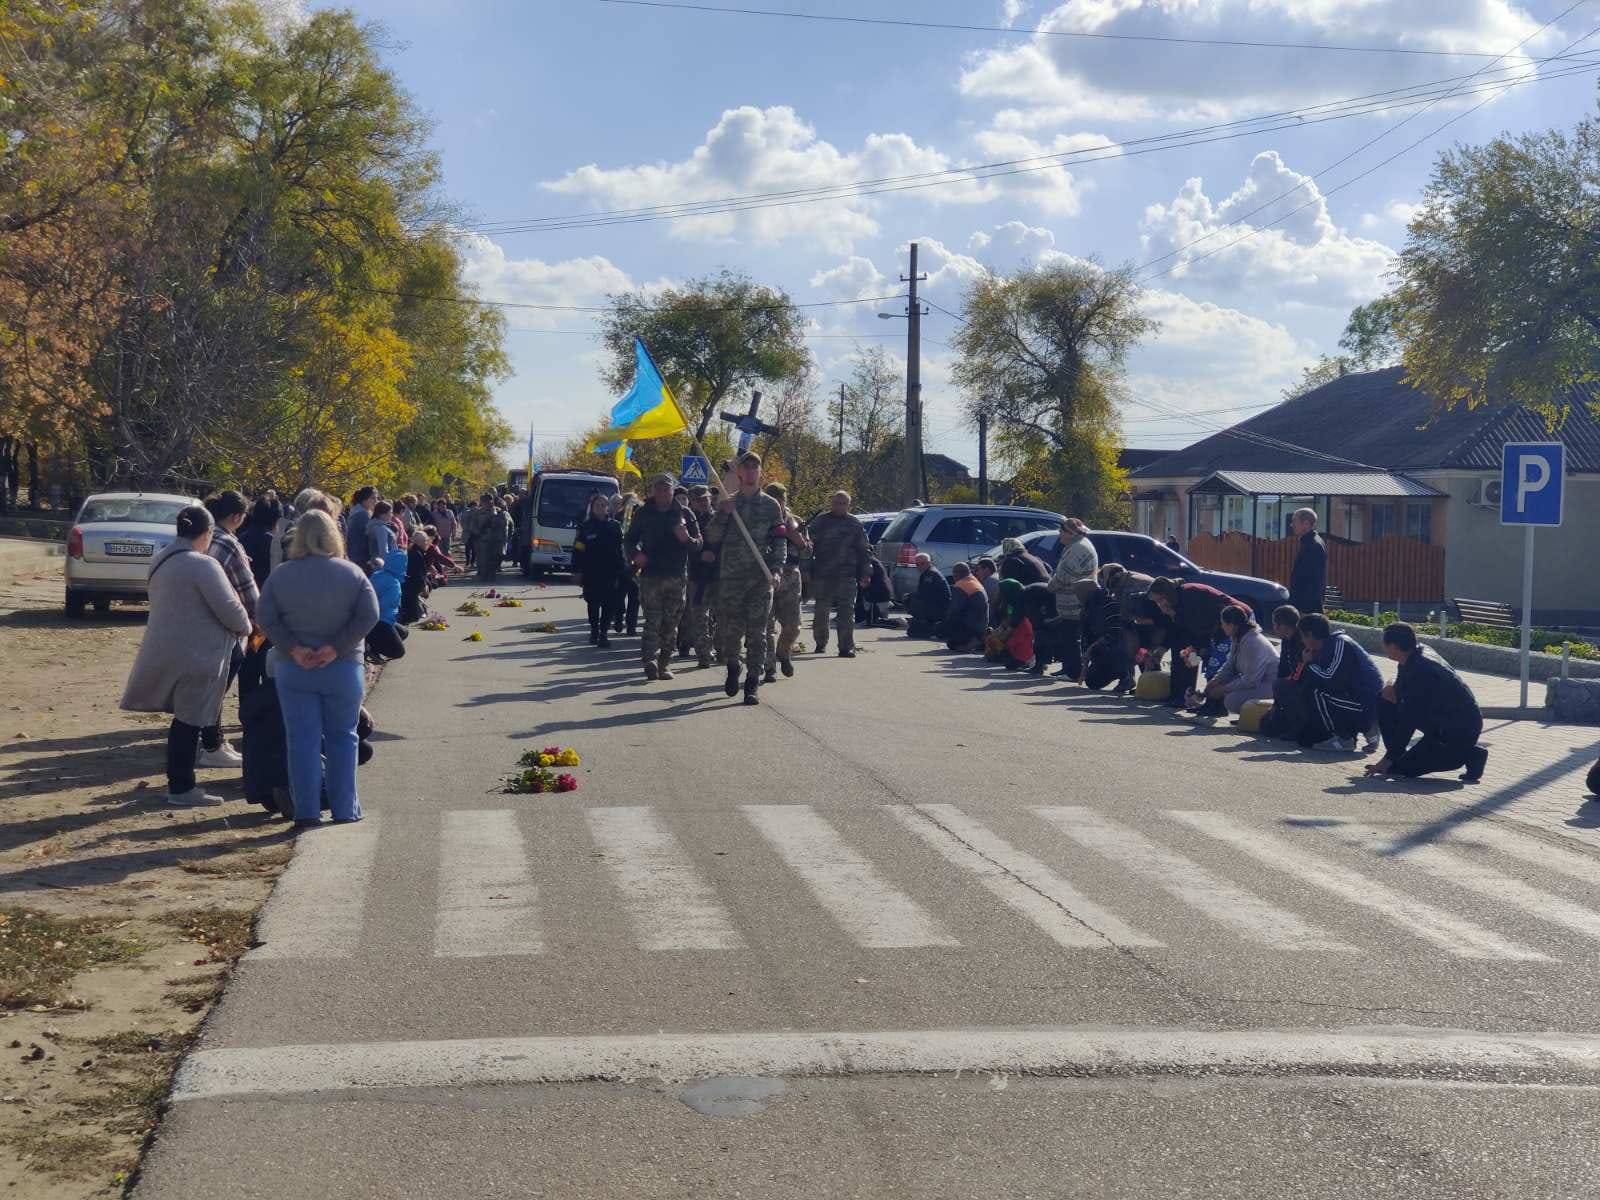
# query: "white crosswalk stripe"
(1212, 895)
(488, 902)
(1475, 877)
(873, 912)
(1541, 853)
(672, 907)
(1449, 933)
(316, 910)
(1024, 883)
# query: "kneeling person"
(968, 617)
(1430, 698)
(1342, 687)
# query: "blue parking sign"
(1532, 475)
(695, 470)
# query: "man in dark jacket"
(968, 618)
(1427, 697)
(1342, 686)
(930, 603)
(1017, 563)
(1288, 713)
(1308, 579)
(660, 539)
(694, 631)
(1195, 613)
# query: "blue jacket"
(387, 584)
(1345, 669)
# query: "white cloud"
(978, 241)
(580, 282)
(1056, 78)
(1306, 257)
(1010, 10)
(1034, 242)
(1398, 212)
(852, 279)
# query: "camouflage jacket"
(760, 513)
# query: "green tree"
(711, 338)
(1043, 354)
(1499, 283)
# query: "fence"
(1389, 569)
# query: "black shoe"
(786, 665)
(1037, 670)
(603, 643)
(731, 684)
(310, 823)
(1476, 761)
(594, 636)
(821, 648)
(848, 652)
(750, 686)
(769, 676)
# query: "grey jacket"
(1078, 562)
(196, 620)
(315, 602)
(1252, 664)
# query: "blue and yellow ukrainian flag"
(649, 410)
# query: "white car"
(111, 544)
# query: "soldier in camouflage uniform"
(744, 588)
(840, 556)
(695, 631)
(783, 627)
(660, 540)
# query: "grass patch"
(68, 1155)
(193, 1000)
(138, 1041)
(226, 932)
(238, 866)
(40, 954)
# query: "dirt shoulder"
(119, 917)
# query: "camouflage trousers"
(697, 630)
(783, 626)
(661, 598)
(743, 607)
(839, 595)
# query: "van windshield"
(562, 502)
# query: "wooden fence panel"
(1387, 570)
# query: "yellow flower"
(475, 636)
(547, 760)
(569, 758)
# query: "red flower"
(566, 783)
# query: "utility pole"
(916, 485)
(841, 420)
(983, 458)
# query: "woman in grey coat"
(1248, 674)
(196, 620)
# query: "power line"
(1493, 90)
(1040, 31)
(1426, 94)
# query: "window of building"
(1419, 521)
(1383, 521)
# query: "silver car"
(952, 533)
(111, 544)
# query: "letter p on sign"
(1532, 475)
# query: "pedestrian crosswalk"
(935, 877)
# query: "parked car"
(1150, 557)
(951, 533)
(111, 543)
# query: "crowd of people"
(290, 599)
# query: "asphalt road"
(912, 927)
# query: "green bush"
(1548, 640)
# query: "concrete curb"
(1476, 656)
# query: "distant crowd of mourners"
(291, 599)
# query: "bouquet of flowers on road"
(509, 602)
(471, 608)
(433, 622)
(539, 774)
(475, 636)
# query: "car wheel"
(75, 604)
(102, 606)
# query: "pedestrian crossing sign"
(695, 470)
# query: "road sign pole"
(1527, 608)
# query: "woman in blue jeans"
(318, 608)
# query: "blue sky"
(552, 107)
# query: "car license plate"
(129, 549)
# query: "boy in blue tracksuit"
(1342, 686)
(385, 640)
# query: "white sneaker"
(1335, 745)
(195, 797)
(223, 756)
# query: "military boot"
(770, 675)
(664, 666)
(651, 671)
(751, 684)
(786, 665)
(731, 684)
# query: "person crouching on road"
(385, 640)
(744, 582)
(968, 618)
(415, 589)
(783, 627)
(318, 609)
(1342, 688)
(930, 603)
(659, 542)
(1010, 642)
(1249, 671)
(196, 621)
(1427, 697)
(598, 566)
